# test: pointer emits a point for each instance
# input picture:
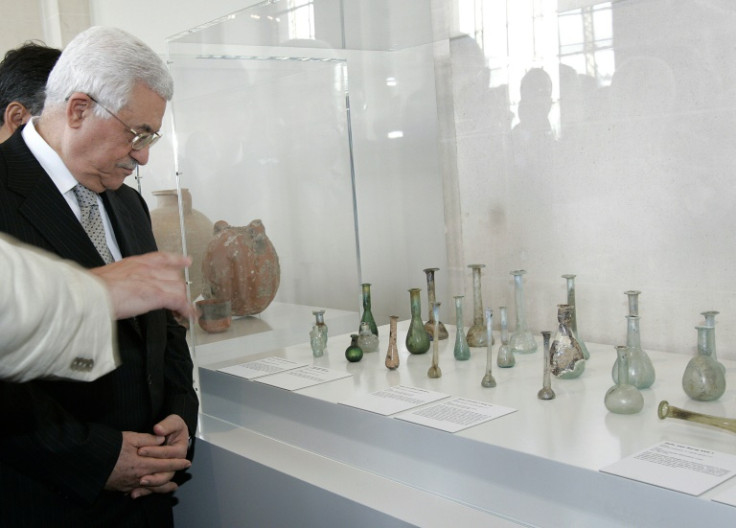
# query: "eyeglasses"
(140, 140)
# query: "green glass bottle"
(417, 338)
(367, 314)
(353, 353)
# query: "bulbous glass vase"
(641, 369)
(566, 358)
(703, 379)
(417, 338)
(623, 397)
(367, 341)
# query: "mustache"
(130, 165)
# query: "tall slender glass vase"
(703, 379)
(565, 355)
(461, 350)
(546, 392)
(392, 354)
(574, 321)
(417, 338)
(477, 333)
(318, 334)
(429, 325)
(522, 341)
(505, 357)
(367, 314)
(488, 380)
(434, 370)
(710, 320)
(641, 369)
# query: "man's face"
(101, 156)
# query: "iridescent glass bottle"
(429, 325)
(641, 369)
(710, 320)
(461, 349)
(417, 338)
(623, 397)
(574, 321)
(392, 354)
(565, 355)
(522, 341)
(367, 314)
(703, 379)
(434, 369)
(318, 334)
(546, 392)
(477, 333)
(367, 341)
(488, 380)
(505, 358)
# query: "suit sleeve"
(57, 320)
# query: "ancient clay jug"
(241, 264)
(167, 231)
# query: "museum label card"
(395, 399)
(456, 414)
(303, 377)
(263, 367)
(678, 467)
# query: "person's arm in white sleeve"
(57, 319)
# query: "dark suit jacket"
(60, 440)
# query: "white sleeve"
(56, 320)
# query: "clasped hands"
(148, 462)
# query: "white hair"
(106, 63)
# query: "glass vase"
(488, 380)
(522, 341)
(574, 321)
(565, 355)
(318, 334)
(476, 336)
(392, 354)
(703, 379)
(505, 357)
(367, 341)
(623, 397)
(710, 320)
(429, 325)
(367, 314)
(434, 369)
(461, 350)
(417, 338)
(641, 369)
(546, 392)
(353, 352)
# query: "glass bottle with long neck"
(392, 354)
(522, 341)
(318, 334)
(623, 397)
(434, 369)
(633, 298)
(417, 338)
(710, 320)
(429, 325)
(488, 379)
(546, 392)
(461, 350)
(477, 333)
(574, 320)
(505, 357)
(367, 314)
(703, 379)
(641, 369)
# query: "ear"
(78, 107)
(15, 115)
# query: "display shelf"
(537, 466)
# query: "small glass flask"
(488, 379)
(366, 340)
(353, 352)
(505, 358)
(318, 334)
(565, 355)
(429, 325)
(392, 354)
(367, 314)
(623, 397)
(641, 369)
(461, 350)
(710, 320)
(574, 321)
(477, 333)
(434, 370)
(417, 338)
(546, 392)
(522, 341)
(703, 379)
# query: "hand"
(147, 282)
(175, 446)
(131, 467)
